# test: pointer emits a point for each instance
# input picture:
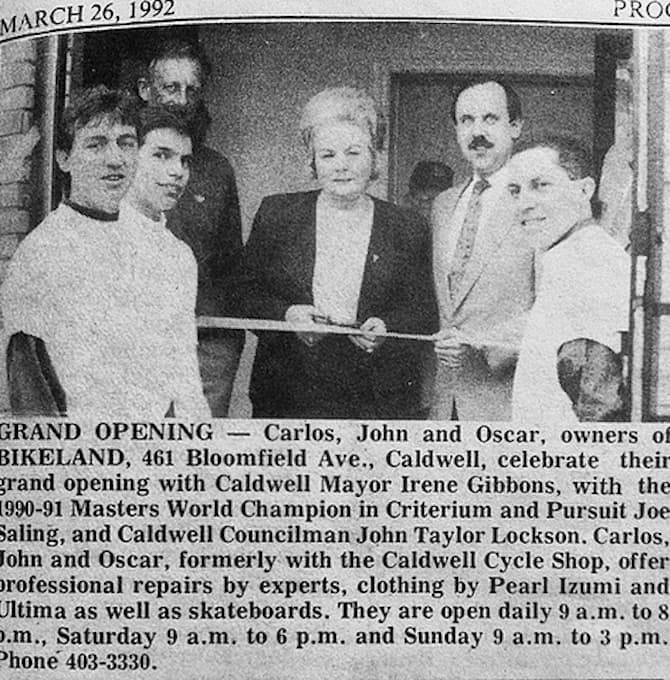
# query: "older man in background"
(207, 216)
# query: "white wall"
(265, 73)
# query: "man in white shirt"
(57, 292)
(161, 272)
(207, 216)
(569, 369)
(483, 270)
(97, 327)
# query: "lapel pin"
(199, 198)
(375, 257)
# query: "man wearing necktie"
(483, 269)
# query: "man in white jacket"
(163, 271)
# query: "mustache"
(480, 140)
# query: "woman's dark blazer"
(335, 378)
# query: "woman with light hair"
(338, 256)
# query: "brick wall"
(17, 101)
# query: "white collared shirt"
(491, 198)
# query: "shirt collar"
(570, 233)
(497, 179)
(92, 213)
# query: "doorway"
(421, 126)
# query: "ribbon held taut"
(271, 325)
(233, 323)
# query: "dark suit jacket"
(335, 378)
(207, 218)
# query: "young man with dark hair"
(164, 271)
(96, 146)
(207, 216)
(57, 295)
(98, 327)
(568, 369)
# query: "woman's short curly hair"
(340, 104)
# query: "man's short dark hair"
(573, 156)
(180, 49)
(513, 101)
(95, 103)
(160, 118)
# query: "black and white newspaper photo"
(333, 340)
